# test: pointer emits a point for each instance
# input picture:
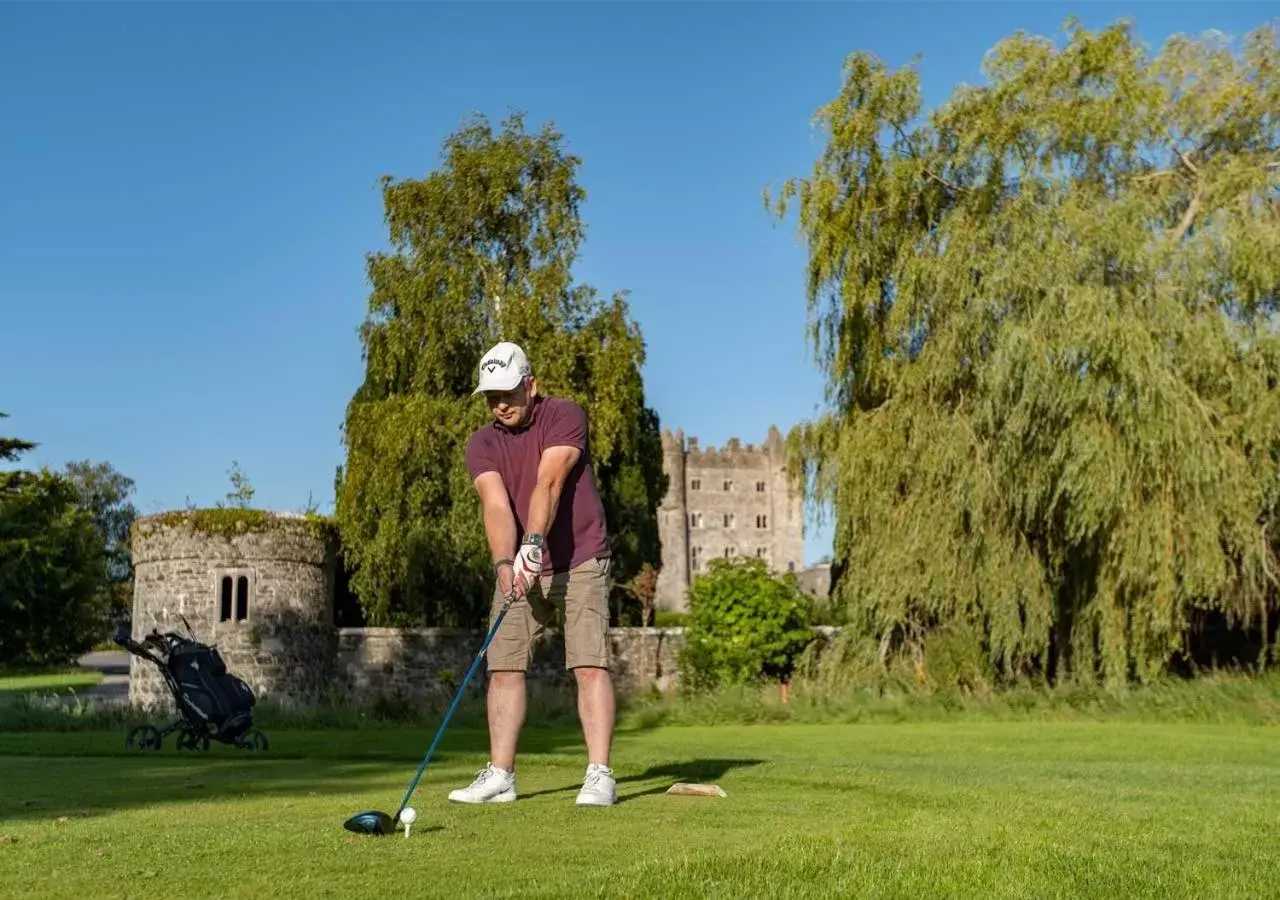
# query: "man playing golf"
(547, 534)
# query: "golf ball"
(409, 815)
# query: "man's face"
(514, 407)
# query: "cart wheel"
(143, 737)
(254, 741)
(188, 740)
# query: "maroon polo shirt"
(579, 532)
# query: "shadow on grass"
(694, 770)
(42, 788)
(48, 775)
(396, 743)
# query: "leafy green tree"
(481, 250)
(745, 625)
(104, 494)
(1045, 311)
(52, 568)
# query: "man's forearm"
(542, 507)
(500, 528)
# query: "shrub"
(744, 625)
(952, 659)
(955, 659)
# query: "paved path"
(114, 666)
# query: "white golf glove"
(528, 564)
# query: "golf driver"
(379, 823)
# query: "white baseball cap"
(502, 368)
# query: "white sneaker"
(492, 785)
(598, 788)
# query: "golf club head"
(371, 822)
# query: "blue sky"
(187, 194)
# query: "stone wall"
(260, 587)
(816, 580)
(274, 573)
(416, 663)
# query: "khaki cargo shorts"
(584, 594)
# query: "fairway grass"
(55, 682)
(907, 810)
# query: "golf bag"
(213, 704)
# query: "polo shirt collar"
(533, 417)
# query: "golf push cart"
(212, 703)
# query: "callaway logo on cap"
(502, 368)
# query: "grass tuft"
(1214, 698)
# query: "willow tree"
(481, 250)
(1045, 312)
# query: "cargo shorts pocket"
(521, 629)
(586, 614)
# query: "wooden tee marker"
(696, 790)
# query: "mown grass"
(969, 808)
(61, 680)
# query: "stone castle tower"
(730, 502)
(259, 586)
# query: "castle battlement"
(733, 454)
(730, 457)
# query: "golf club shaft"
(475, 664)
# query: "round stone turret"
(257, 585)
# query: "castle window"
(729, 520)
(760, 552)
(730, 552)
(762, 521)
(791, 567)
(696, 555)
(728, 485)
(760, 487)
(695, 520)
(233, 589)
(695, 484)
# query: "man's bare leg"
(506, 708)
(596, 709)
